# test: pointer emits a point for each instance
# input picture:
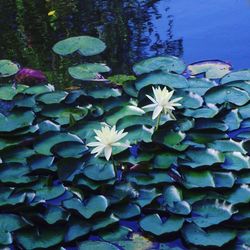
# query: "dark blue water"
(210, 29)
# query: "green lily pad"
(9, 198)
(38, 89)
(44, 144)
(104, 222)
(228, 146)
(233, 119)
(211, 237)
(222, 94)
(97, 245)
(87, 208)
(99, 170)
(8, 68)
(34, 238)
(167, 79)
(115, 234)
(8, 91)
(208, 111)
(154, 224)
(88, 71)
(165, 160)
(8, 224)
(207, 157)
(242, 75)
(16, 120)
(239, 195)
(85, 45)
(55, 214)
(77, 228)
(146, 196)
(70, 149)
(206, 213)
(127, 212)
(52, 97)
(236, 161)
(199, 85)
(119, 113)
(213, 69)
(174, 201)
(15, 173)
(198, 179)
(163, 63)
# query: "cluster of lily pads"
(182, 184)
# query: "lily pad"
(211, 237)
(97, 245)
(85, 45)
(242, 75)
(8, 68)
(206, 213)
(88, 71)
(52, 97)
(154, 224)
(213, 69)
(163, 63)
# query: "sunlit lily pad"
(88, 71)
(8, 68)
(85, 45)
(163, 63)
(242, 75)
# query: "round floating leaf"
(88, 71)
(39, 89)
(115, 234)
(8, 91)
(85, 45)
(163, 63)
(228, 146)
(104, 222)
(119, 113)
(190, 100)
(239, 195)
(222, 94)
(244, 111)
(15, 173)
(205, 112)
(99, 170)
(167, 79)
(46, 126)
(52, 97)
(16, 120)
(212, 237)
(199, 85)
(128, 211)
(103, 92)
(206, 213)
(8, 68)
(197, 179)
(223, 179)
(154, 224)
(146, 196)
(55, 214)
(45, 142)
(8, 224)
(174, 201)
(7, 197)
(242, 75)
(236, 161)
(77, 228)
(121, 79)
(207, 157)
(213, 69)
(164, 160)
(34, 238)
(70, 149)
(87, 208)
(97, 245)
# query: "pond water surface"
(132, 29)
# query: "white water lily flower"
(106, 139)
(162, 102)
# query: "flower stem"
(158, 122)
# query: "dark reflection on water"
(127, 27)
(132, 30)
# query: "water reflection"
(128, 27)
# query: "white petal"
(156, 112)
(120, 144)
(107, 152)
(98, 149)
(150, 106)
(151, 98)
(94, 144)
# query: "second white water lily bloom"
(162, 102)
(106, 139)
